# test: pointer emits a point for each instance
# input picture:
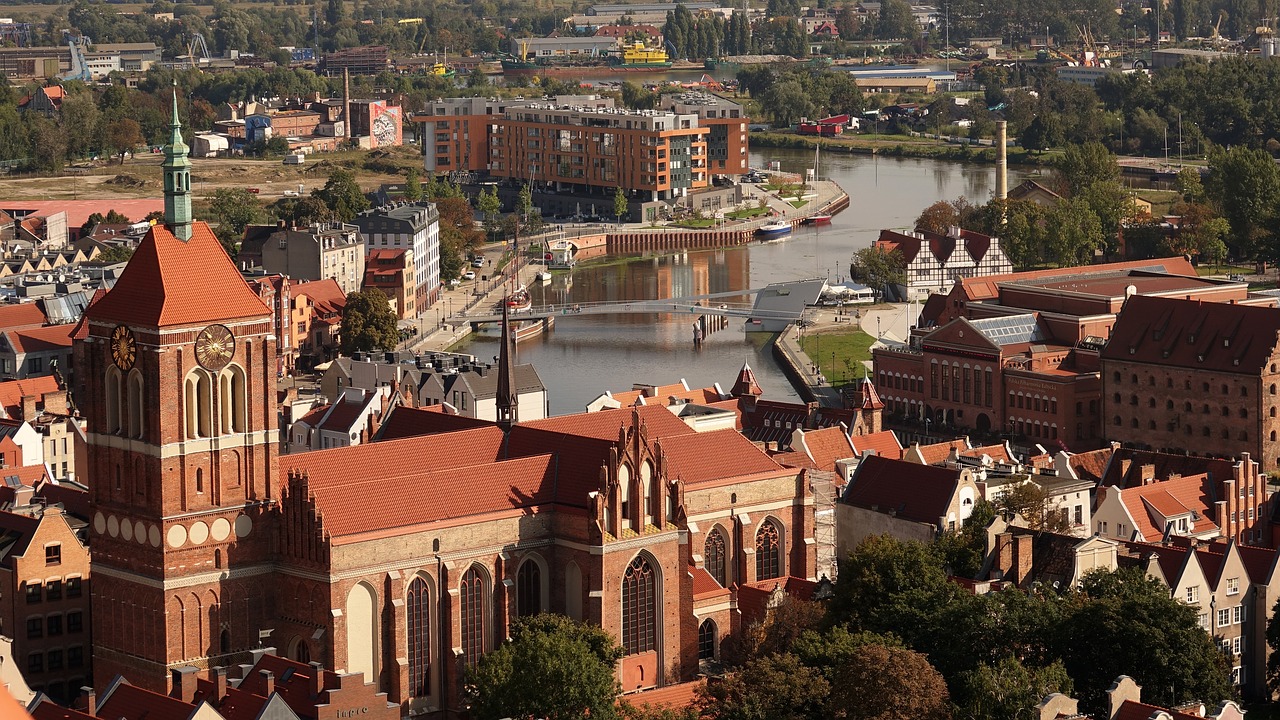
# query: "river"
(584, 356)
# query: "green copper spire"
(177, 179)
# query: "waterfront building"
(414, 227)
(933, 262)
(391, 272)
(207, 545)
(659, 155)
(726, 122)
(1193, 376)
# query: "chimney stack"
(89, 699)
(219, 685)
(346, 104)
(1002, 160)
(184, 683)
(268, 682)
(317, 679)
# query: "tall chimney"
(184, 683)
(346, 103)
(268, 682)
(1002, 160)
(89, 700)
(219, 685)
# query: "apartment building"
(658, 154)
(726, 124)
(414, 227)
(327, 250)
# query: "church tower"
(176, 371)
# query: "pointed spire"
(746, 383)
(870, 398)
(507, 400)
(177, 178)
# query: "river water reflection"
(587, 355)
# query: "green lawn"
(839, 354)
(695, 223)
(798, 203)
(747, 213)
(1208, 268)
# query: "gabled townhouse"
(43, 403)
(934, 261)
(906, 500)
(1158, 510)
(1124, 702)
(884, 443)
(353, 418)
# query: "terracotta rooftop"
(123, 700)
(987, 287)
(999, 453)
(1091, 465)
(883, 443)
(170, 282)
(938, 453)
(40, 339)
(405, 422)
(1218, 337)
(1169, 498)
(22, 315)
(669, 697)
(325, 294)
(920, 493)
(828, 445)
(12, 392)
(1129, 466)
(1130, 710)
(702, 457)
(704, 585)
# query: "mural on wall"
(384, 124)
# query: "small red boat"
(822, 219)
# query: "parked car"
(468, 275)
(477, 263)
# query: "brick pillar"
(396, 649)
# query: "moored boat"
(519, 300)
(819, 219)
(774, 230)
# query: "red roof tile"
(170, 282)
(828, 445)
(1218, 337)
(1259, 562)
(12, 392)
(406, 422)
(40, 339)
(939, 452)
(746, 383)
(920, 493)
(1169, 497)
(998, 452)
(670, 697)
(794, 459)
(604, 425)
(325, 294)
(47, 710)
(1130, 710)
(135, 703)
(704, 585)
(701, 457)
(1091, 465)
(985, 287)
(883, 443)
(292, 681)
(22, 315)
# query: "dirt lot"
(141, 176)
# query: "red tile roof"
(1218, 337)
(985, 287)
(794, 459)
(746, 383)
(22, 315)
(1091, 465)
(1259, 562)
(883, 443)
(1130, 710)
(292, 681)
(406, 422)
(78, 211)
(325, 294)
(170, 282)
(12, 392)
(828, 445)
(135, 703)
(999, 453)
(670, 697)
(702, 457)
(1164, 465)
(704, 585)
(604, 425)
(921, 493)
(52, 337)
(939, 452)
(46, 710)
(72, 498)
(1170, 497)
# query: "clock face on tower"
(214, 347)
(124, 349)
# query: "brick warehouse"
(1194, 377)
(205, 543)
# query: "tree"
(553, 668)
(412, 186)
(787, 102)
(1074, 233)
(937, 218)
(1083, 165)
(888, 683)
(343, 195)
(1136, 628)
(1244, 185)
(1007, 688)
(896, 22)
(1273, 642)
(524, 203)
(620, 203)
(233, 209)
(637, 96)
(1042, 133)
(773, 687)
(888, 585)
(489, 205)
(878, 268)
(122, 136)
(117, 254)
(368, 323)
(1037, 507)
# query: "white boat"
(774, 230)
(543, 277)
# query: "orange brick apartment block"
(44, 598)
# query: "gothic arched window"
(713, 556)
(707, 640)
(418, 612)
(471, 602)
(639, 596)
(529, 589)
(768, 551)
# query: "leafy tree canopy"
(368, 323)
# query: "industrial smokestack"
(1002, 160)
(346, 103)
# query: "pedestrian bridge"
(776, 306)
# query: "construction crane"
(1214, 35)
(197, 43)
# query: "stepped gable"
(1218, 337)
(170, 282)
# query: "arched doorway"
(984, 423)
